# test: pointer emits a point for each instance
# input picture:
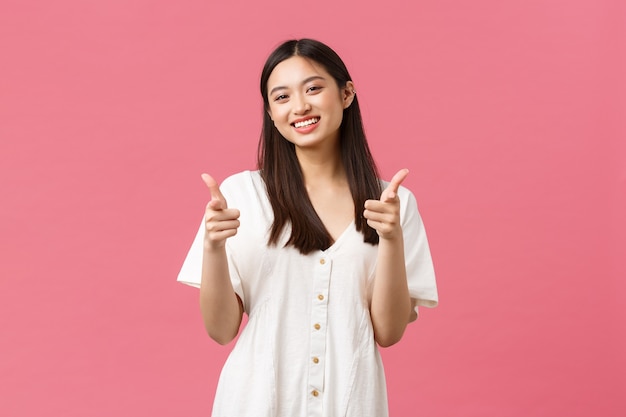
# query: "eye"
(313, 89)
(281, 97)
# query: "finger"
(392, 189)
(222, 226)
(380, 227)
(218, 202)
(377, 205)
(383, 216)
(379, 216)
(221, 235)
(221, 215)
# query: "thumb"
(218, 202)
(392, 189)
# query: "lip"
(304, 119)
(306, 129)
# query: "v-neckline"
(340, 238)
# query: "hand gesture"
(220, 221)
(384, 215)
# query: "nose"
(300, 104)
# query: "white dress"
(308, 348)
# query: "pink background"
(510, 116)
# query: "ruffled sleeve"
(191, 271)
(419, 265)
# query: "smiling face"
(305, 102)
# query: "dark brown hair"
(281, 170)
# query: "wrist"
(211, 246)
(392, 238)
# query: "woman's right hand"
(220, 221)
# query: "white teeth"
(307, 122)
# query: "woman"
(326, 260)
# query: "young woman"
(325, 259)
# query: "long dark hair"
(281, 170)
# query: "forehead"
(293, 71)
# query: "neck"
(320, 166)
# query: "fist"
(220, 222)
(384, 215)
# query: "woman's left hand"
(384, 215)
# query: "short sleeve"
(419, 265)
(191, 271)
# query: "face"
(305, 102)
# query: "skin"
(302, 89)
(221, 308)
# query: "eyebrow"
(307, 80)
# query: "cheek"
(337, 112)
(282, 126)
(335, 107)
(277, 113)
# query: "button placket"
(319, 322)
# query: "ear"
(348, 94)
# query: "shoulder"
(240, 178)
(245, 189)
(241, 182)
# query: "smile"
(307, 122)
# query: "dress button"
(320, 297)
(316, 360)
(322, 261)
(315, 393)
(317, 326)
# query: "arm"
(391, 305)
(221, 308)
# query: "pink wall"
(510, 115)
